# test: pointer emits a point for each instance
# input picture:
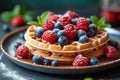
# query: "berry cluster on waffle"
(63, 38)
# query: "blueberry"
(93, 26)
(61, 33)
(58, 25)
(37, 59)
(17, 44)
(6, 28)
(94, 61)
(21, 36)
(90, 32)
(81, 33)
(62, 40)
(83, 39)
(74, 21)
(89, 20)
(56, 30)
(55, 63)
(39, 31)
(46, 62)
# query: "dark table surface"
(10, 71)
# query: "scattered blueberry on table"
(55, 63)
(6, 28)
(46, 62)
(17, 44)
(94, 61)
(37, 59)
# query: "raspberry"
(65, 20)
(111, 52)
(22, 52)
(48, 25)
(83, 23)
(53, 18)
(69, 27)
(18, 21)
(71, 31)
(80, 61)
(71, 14)
(49, 36)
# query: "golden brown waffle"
(65, 58)
(74, 46)
(66, 54)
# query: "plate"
(8, 49)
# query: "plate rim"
(49, 67)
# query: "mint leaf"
(100, 23)
(33, 23)
(44, 16)
(6, 16)
(39, 20)
(27, 17)
(94, 19)
(16, 10)
(107, 25)
(19, 10)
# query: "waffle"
(66, 54)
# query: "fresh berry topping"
(71, 35)
(94, 27)
(71, 14)
(74, 21)
(91, 32)
(21, 35)
(53, 18)
(94, 61)
(56, 30)
(49, 36)
(58, 25)
(61, 33)
(69, 27)
(22, 52)
(89, 20)
(55, 63)
(39, 31)
(71, 31)
(65, 20)
(62, 40)
(111, 52)
(83, 39)
(18, 21)
(81, 33)
(37, 59)
(17, 44)
(46, 62)
(6, 28)
(80, 61)
(83, 23)
(48, 25)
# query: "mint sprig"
(100, 23)
(7, 16)
(40, 19)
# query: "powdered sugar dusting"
(7, 72)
